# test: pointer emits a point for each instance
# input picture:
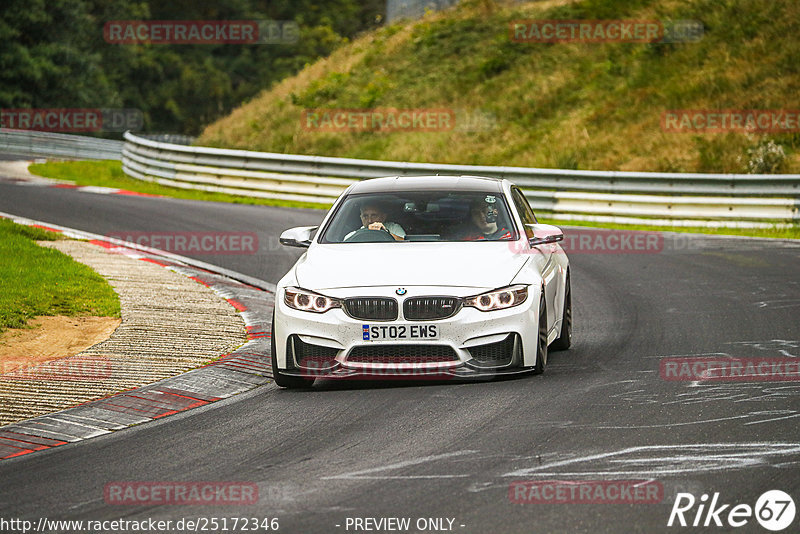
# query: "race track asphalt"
(602, 410)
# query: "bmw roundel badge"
(401, 291)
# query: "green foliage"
(45, 43)
(710, 152)
(371, 94)
(720, 153)
(574, 104)
(322, 91)
(54, 56)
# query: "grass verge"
(41, 281)
(109, 174)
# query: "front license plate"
(399, 332)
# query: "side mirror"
(544, 234)
(298, 237)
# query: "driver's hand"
(377, 226)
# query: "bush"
(766, 157)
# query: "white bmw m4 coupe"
(422, 277)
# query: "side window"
(524, 209)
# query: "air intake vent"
(402, 354)
(429, 308)
(310, 356)
(494, 354)
(371, 308)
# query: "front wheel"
(541, 339)
(564, 339)
(281, 379)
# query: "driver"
(373, 217)
(483, 221)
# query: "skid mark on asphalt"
(699, 393)
(769, 414)
(664, 425)
(788, 414)
(369, 473)
(778, 304)
(664, 460)
(784, 347)
(764, 394)
(744, 349)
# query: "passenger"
(373, 217)
(483, 221)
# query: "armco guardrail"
(676, 199)
(55, 145)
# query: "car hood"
(475, 264)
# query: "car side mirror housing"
(298, 237)
(544, 234)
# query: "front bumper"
(455, 373)
(325, 345)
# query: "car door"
(542, 256)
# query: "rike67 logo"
(774, 510)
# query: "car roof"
(429, 183)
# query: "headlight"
(303, 300)
(499, 299)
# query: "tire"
(541, 339)
(564, 340)
(281, 379)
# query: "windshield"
(420, 216)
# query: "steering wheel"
(365, 235)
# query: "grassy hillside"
(565, 105)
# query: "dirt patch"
(52, 338)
